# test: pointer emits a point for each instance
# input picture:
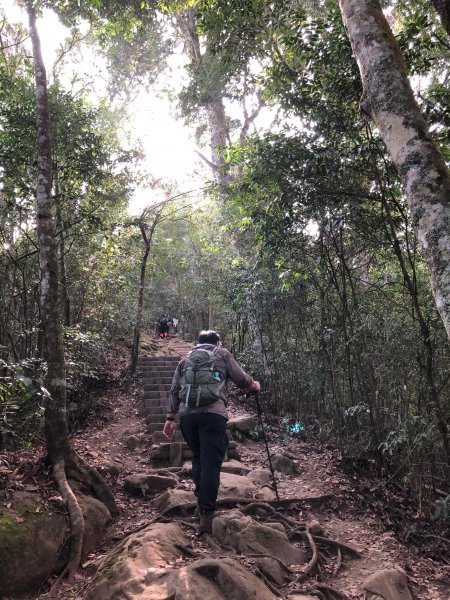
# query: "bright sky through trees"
(166, 142)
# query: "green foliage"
(414, 433)
(442, 509)
(22, 401)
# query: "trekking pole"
(261, 423)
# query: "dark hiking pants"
(205, 434)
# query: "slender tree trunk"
(389, 101)
(57, 437)
(56, 431)
(139, 311)
(147, 238)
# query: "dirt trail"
(120, 447)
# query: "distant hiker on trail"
(199, 393)
(175, 324)
(163, 325)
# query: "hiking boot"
(206, 519)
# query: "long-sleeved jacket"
(228, 368)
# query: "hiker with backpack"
(163, 324)
(199, 394)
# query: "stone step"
(158, 360)
(168, 358)
(158, 438)
(155, 410)
(152, 426)
(155, 402)
(151, 412)
(157, 372)
(160, 453)
(157, 379)
(157, 387)
(155, 395)
(156, 417)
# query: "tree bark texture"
(217, 120)
(56, 431)
(389, 101)
(442, 8)
(55, 415)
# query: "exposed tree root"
(280, 562)
(314, 558)
(270, 585)
(321, 590)
(79, 470)
(254, 507)
(185, 550)
(76, 522)
(331, 592)
(338, 562)
(326, 542)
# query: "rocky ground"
(355, 510)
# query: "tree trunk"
(217, 120)
(147, 238)
(64, 285)
(56, 431)
(139, 311)
(389, 101)
(442, 8)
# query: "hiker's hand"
(255, 387)
(169, 429)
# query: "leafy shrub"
(22, 399)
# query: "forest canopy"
(314, 234)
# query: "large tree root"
(76, 522)
(314, 558)
(80, 471)
(322, 591)
(326, 542)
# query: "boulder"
(235, 467)
(144, 484)
(236, 486)
(130, 568)
(284, 464)
(389, 584)
(231, 486)
(250, 537)
(112, 469)
(173, 498)
(265, 493)
(131, 442)
(33, 535)
(218, 579)
(260, 476)
(245, 424)
(31, 539)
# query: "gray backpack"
(200, 381)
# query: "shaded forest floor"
(362, 512)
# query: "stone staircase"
(157, 373)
